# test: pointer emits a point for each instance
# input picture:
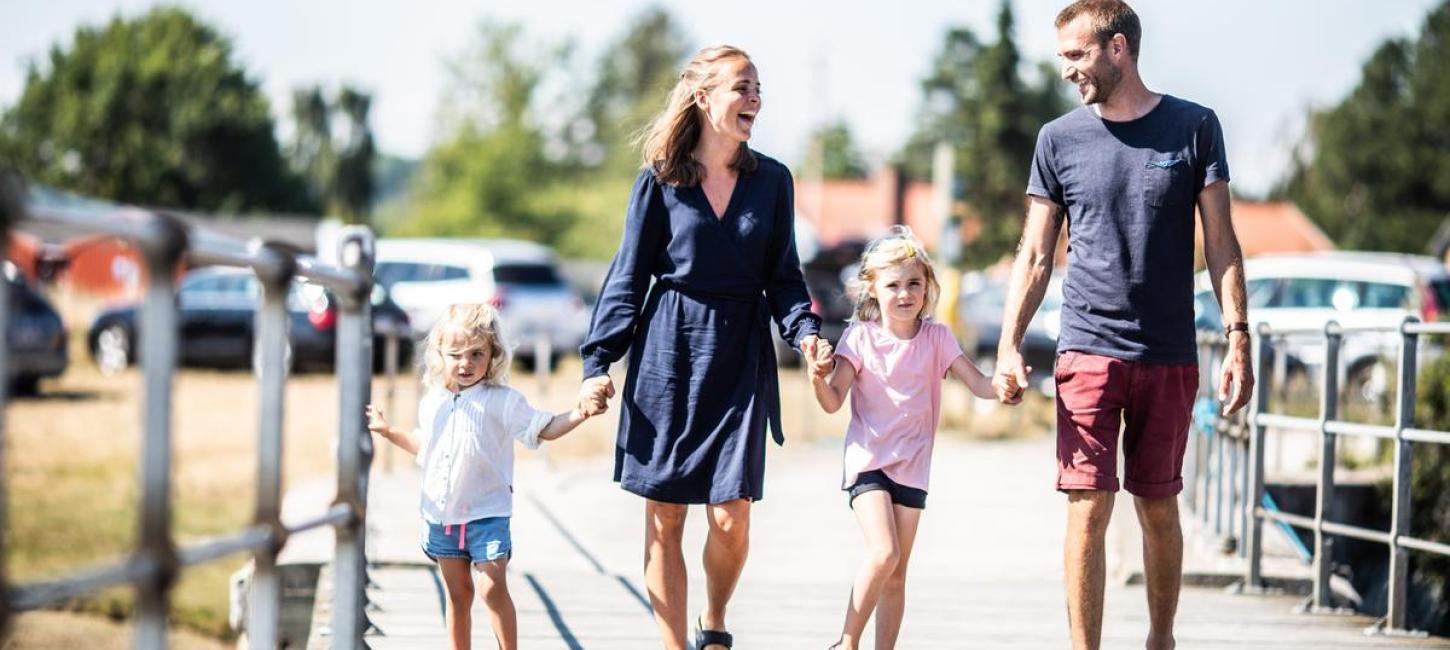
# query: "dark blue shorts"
(901, 495)
(481, 540)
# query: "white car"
(1354, 289)
(519, 278)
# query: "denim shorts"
(481, 540)
(901, 495)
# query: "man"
(1124, 172)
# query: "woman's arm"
(831, 387)
(405, 440)
(978, 383)
(622, 296)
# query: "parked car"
(1355, 289)
(217, 321)
(35, 337)
(827, 275)
(979, 311)
(519, 278)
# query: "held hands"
(594, 395)
(1010, 380)
(820, 357)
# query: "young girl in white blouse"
(468, 421)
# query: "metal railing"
(1227, 491)
(153, 566)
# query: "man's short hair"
(1107, 17)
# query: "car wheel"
(25, 386)
(113, 349)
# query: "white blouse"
(466, 450)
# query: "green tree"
(634, 74)
(1430, 497)
(151, 111)
(833, 149)
(339, 174)
(352, 189)
(488, 172)
(976, 99)
(1374, 171)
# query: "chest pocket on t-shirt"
(1166, 181)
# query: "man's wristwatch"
(1240, 326)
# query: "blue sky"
(1259, 63)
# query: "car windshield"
(391, 273)
(1342, 295)
(526, 274)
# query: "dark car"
(217, 319)
(35, 338)
(980, 309)
(826, 277)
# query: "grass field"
(72, 473)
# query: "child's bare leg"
(457, 613)
(493, 589)
(873, 512)
(892, 606)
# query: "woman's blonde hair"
(898, 246)
(478, 323)
(668, 143)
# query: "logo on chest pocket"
(747, 225)
(1166, 182)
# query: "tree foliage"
(833, 150)
(339, 173)
(150, 111)
(976, 99)
(488, 171)
(1374, 170)
(512, 161)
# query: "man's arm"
(1030, 274)
(1226, 271)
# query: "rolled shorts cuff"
(1067, 480)
(480, 540)
(1153, 490)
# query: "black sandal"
(705, 638)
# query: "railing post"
(1324, 492)
(158, 350)
(1263, 354)
(1404, 464)
(264, 613)
(11, 209)
(354, 444)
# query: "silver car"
(539, 310)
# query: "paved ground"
(986, 573)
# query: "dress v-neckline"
(729, 203)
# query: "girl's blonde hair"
(897, 246)
(478, 323)
(668, 143)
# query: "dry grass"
(73, 474)
(73, 480)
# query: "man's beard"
(1101, 86)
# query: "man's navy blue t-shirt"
(1129, 189)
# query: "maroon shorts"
(1150, 403)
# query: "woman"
(712, 221)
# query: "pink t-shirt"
(895, 399)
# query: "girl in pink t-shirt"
(895, 359)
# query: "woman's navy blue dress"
(702, 387)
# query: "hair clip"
(910, 250)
